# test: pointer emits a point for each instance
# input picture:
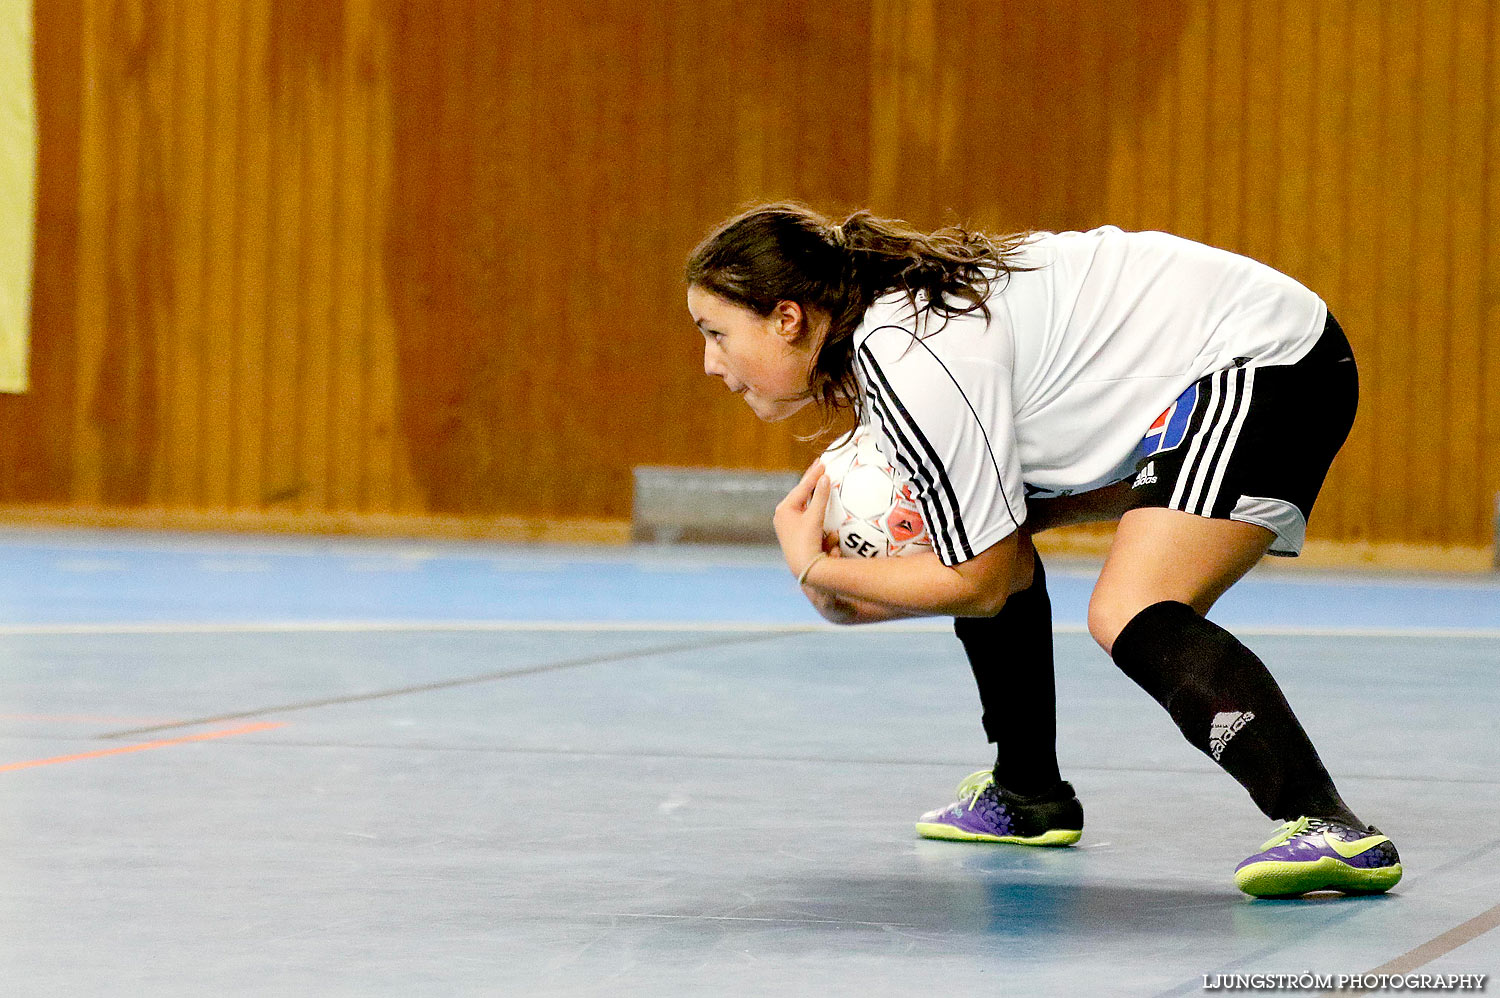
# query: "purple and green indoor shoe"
(986, 813)
(1311, 854)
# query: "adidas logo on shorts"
(1147, 475)
(1225, 726)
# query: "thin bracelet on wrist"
(802, 579)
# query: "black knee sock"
(1229, 707)
(1011, 656)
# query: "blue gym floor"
(282, 767)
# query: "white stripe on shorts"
(1184, 474)
(1202, 471)
(1234, 437)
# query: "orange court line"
(143, 746)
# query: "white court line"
(674, 626)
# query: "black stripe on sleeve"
(932, 509)
(926, 455)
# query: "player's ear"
(789, 321)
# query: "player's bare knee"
(1107, 618)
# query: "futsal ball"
(870, 506)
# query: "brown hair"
(789, 252)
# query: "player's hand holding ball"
(850, 503)
(799, 520)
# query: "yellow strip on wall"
(17, 190)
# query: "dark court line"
(707, 756)
(772, 757)
(598, 753)
(487, 677)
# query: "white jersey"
(1052, 394)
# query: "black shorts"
(1257, 442)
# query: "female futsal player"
(1194, 395)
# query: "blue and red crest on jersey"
(1171, 426)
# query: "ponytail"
(788, 252)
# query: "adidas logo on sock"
(1225, 726)
(1147, 475)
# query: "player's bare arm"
(915, 584)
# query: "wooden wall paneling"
(677, 414)
(183, 337)
(99, 161)
(1024, 109)
(1122, 181)
(387, 477)
(1073, 119)
(748, 109)
(628, 100)
(948, 105)
(474, 451)
(37, 428)
(350, 312)
(103, 156)
(964, 157)
(599, 76)
(1293, 196)
(125, 395)
(1395, 284)
(1360, 309)
(1093, 111)
(220, 343)
(477, 448)
(1156, 124)
(104, 404)
(1262, 115)
(251, 255)
(1463, 505)
(518, 358)
(885, 102)
(841, 147)
(902, 75)
(1073, 157)
(1226, 124)
(339, 369)
(1489, 147)
(1328, 194)
(1429, 432)
(136, 373)
(95, 197)
(787, 98)
(650, 216)
(129, 390)
(317, 53)
(1195, 105)
(601, 108)
(366, 257)
(285, 484)
(411, 241)
(599, 112)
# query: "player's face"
(763, 359)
